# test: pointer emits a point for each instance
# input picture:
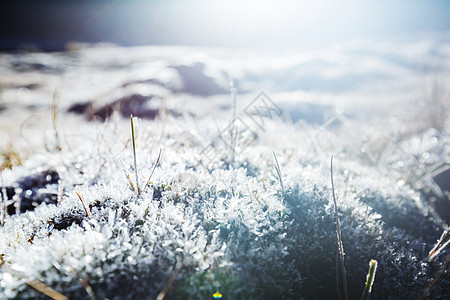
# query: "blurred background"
(50, 24)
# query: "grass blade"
(435, 278)
(3, 203)
(277, 168)
(154, 167)
(127, 176)
(339, 236)
(173, 277)
(33, 282)
(60, 191)
(86, 207)
(369, 279)
(55, 121)
(440, 245)
(138, 188)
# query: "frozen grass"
(369, 279)
(252, 225)
(194, 232)
(339, 241)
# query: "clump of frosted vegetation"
(223, 229)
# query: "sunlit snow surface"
(379, 106)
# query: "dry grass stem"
(435, 278)
(154, 167)
(440, 245)
(173, 277)
(85, 206)
(33, 282)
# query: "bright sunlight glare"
(248, 23)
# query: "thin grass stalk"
(339, 236)
(55, 121)
(369, 279)
(138, 188)
(435, 278)
(3, 203)
(85, 283)
(277, 168)
(45, 289)
(440, 245)
(85, 206)
(233, 132)
(60, 191)
(17, 202)
(163, 118)
(173, 277)
(33, 282)
(127, 176)
(88, 288)
(154, 167)
(338, 290)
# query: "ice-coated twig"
(339, 236)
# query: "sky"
(50, 24)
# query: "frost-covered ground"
(215, 215)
